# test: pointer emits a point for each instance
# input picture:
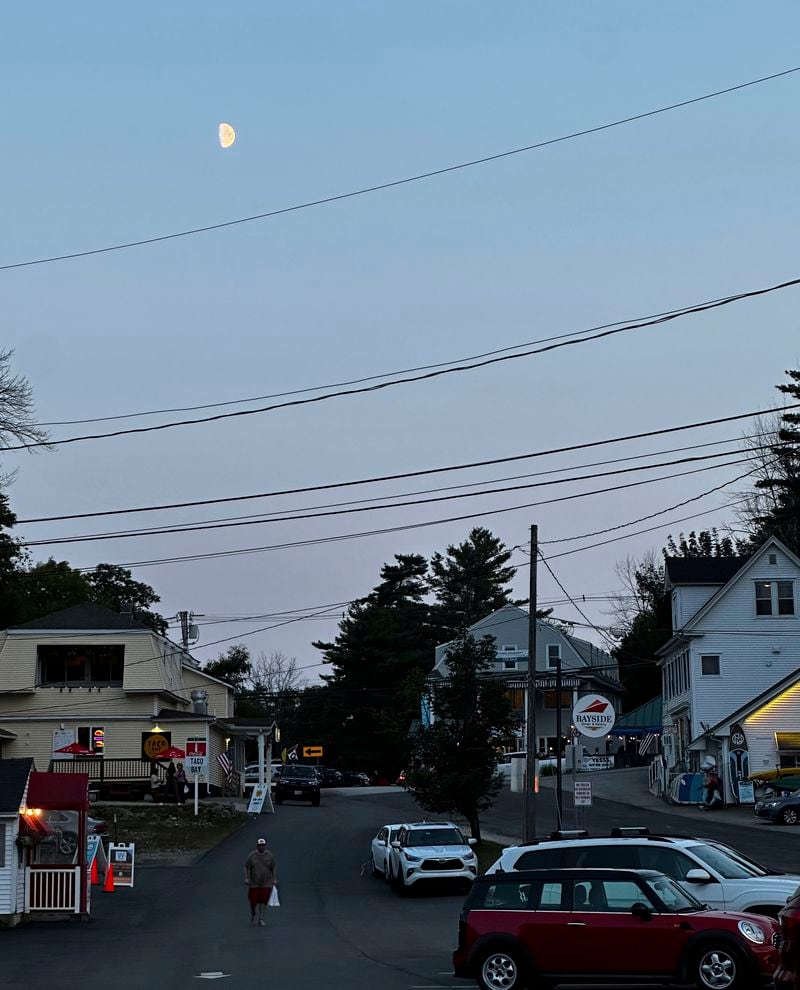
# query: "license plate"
(298, 793)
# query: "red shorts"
(258, 895)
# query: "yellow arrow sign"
(309, 752)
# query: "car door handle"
(576, 924)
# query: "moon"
(227, 135)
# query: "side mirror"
(641, 910)
(699, 876)
(472, 842)
(395, 844)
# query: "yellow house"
(115, 691)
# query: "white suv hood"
(438, 852)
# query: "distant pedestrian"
(156, 788)
(171, 788)
(260, 875)
(181, 784)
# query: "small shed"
(14, 776)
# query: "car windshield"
(672, 895)
(303, 773)
(435, 837)
(728, 863)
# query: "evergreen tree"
(384, 649)
(233, 666)
(470, 581)
(453, 766)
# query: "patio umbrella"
(173, 753)
(76, 749)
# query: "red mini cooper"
(548, 928)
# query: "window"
(508, 648)
(80, 666)
(549, 699)
(609, 895)
(669, 861)
(503, 897)
(92, 737)
(517, 698)
(788, 746)
(2, 846)
(553, 655)
(539, 859)
(611, 857)
(773, 559)
(775, 598)
(551, 895)
(510, 664)
(709, 666)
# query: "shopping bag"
(274, 900)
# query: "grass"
(488, 853)
(169, 831)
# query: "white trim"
(56, 633)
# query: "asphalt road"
(336, 927)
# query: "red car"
(788, 975)
(547, 928)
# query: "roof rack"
(621, 832)
(576, 833)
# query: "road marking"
(214, 975)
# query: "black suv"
(298, 783)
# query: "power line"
(427, 376)
(378, 187)
(327, 513)
(418, 473)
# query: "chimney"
(200, 701)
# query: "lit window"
(775, 598)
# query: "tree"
(10, 555)
(233, 666)
(470, 581)
(707, 543)
(50, 586)
(379, 659)
(17, 421)
(115, 588)
(453, 765)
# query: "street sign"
(594, 716)
(583, 794)
(121, 858)
(257, 799)
(310, 752)
(196, 764)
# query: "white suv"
(716, 874)
(431, 851)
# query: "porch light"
(157, 728)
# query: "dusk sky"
(111, 118)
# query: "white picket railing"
(52, 889)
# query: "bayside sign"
(594, 716)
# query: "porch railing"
(52, 888)
(102, 769)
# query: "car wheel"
(789, 816)
(719, 967)
(500, 969)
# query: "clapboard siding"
(782, 714)
(8, 866)
(689, 599)
(220, 697)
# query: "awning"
(61, 791)
(5, 734)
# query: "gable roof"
(88, 616)
(702, 570)
(13, 781)
(743, 711)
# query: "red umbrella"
(76, 749)
(173, 753)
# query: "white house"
(736, 635)
(14, 776)
(585, 669)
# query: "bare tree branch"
(17, 421)
(275, 673)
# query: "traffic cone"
(95, 877)
(108, 886)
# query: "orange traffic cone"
(95, 876)
(108, 886)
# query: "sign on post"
(121, 857)
(312, 752)
(196, 764)
(583, 794)
(594, 716)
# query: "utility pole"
(559, 780)
(183, 618)
(529, 824)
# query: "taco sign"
(594, 716)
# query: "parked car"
(430, 851)
(298, 783)
(556, 927)
(355, 778)
(381, 849)
(784, 810)
(787, 975)
(723, 878)
(64, 826)
(251, 775)
(329, 777)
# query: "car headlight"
(413, 857)
(752, 932)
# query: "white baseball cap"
(261, 842)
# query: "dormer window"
(773, 559)
(80, 666)
(775, 598)
(553, 655)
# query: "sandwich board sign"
(257, 799)
(121, 856)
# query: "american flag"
(227, 767)
(649, 744)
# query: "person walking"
(171, 787)
(260, 875)
(181, 784)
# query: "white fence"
(52, 889)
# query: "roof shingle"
(13, 780)
(703, 570)
(87, 616)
